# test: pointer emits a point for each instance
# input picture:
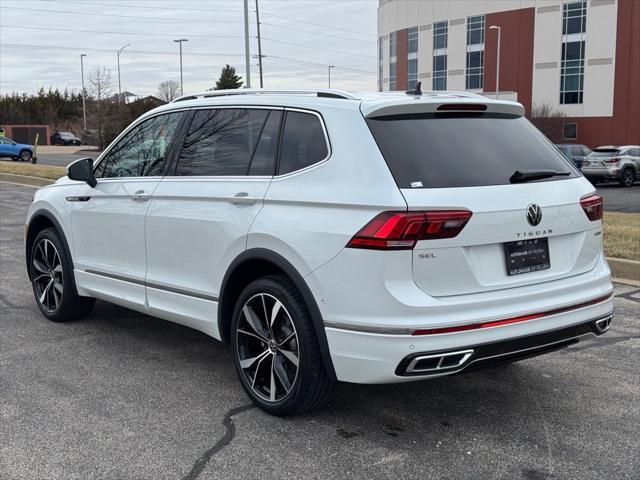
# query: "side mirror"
(82, 170)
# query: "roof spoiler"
(424, 104)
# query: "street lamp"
(119, 84)
(329, 67)
(84, 108)
(180, 40)
(499, 29)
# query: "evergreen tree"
(228, 79)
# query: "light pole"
(495, 27)
(329, 67)
(259, 42)
(179, 41)
(84, 108)
(247, 57)
(119, 83)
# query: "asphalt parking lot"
(121, 395)
(620, 199)
(61, 156)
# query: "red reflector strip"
(507, 321)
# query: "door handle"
(242, 198)
(140, 196)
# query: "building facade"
(581, 58)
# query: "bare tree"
(549, 121)
(100, 84)
(101, 90)
(168, 90)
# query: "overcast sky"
(41, 42)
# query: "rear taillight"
(401, 230)
(613, 160)
(592, 206)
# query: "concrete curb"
(25, 180)
(624, 269)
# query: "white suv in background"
(613, 163)
(327, 236)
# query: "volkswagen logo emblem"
(534, 214)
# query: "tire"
(51, 276)
(25, 155)
(628, 177)
(272, 380)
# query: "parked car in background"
(621, 164)
(65, 138)
(16, 151)
(575, 152)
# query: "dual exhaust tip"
(603, 324)
(441, 362)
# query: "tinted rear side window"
(221, 142)
(462, 150)
(303, 142)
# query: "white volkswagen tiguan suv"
(329, 236)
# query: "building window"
(574, 21)
(412, 58)
(572, 72)
(440, 35)
(440, 42)
(393, 58)
(413, 40)
(570, 131)
(475, 30)
(475, 53)
(380, 64)
(412, 73)
(475, 70)
(439, 72)
(574, 18)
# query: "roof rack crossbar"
(327, 93)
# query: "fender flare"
(56, 224)
(299, 282)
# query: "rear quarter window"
(303, 142)
(440, 150)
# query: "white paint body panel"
(194, 231)
(108, 230)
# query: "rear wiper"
(521, 176)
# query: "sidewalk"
(68, 150)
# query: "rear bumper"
(491, 354)
(362, 357)
(601, 172)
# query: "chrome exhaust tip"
(441, 362)
(603, 324)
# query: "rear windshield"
(604, 153)
(463, 150)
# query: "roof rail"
(326, 93)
